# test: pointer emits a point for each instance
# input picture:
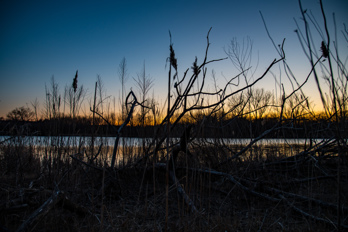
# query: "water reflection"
(73, 141)
(131, 148)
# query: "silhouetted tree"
(260, 100)
(21, 114)
(53, 100)
(35, 105)
(143, 83)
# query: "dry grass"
(133, 198)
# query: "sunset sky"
(41, 39)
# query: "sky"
(41, 39)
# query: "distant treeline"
(238, 127)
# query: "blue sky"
(41, 39)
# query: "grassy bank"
(270, 193)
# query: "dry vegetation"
(265, 191)
(192, 184)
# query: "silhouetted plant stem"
(119, 131)
(93, 116)
(326, 51)
(311, 55)
(168, 133)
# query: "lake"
(129, 148)
(73, 141)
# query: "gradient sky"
(41, 39)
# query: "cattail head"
(173, 61)
(74, 85)
(195, 67)
(324, 49)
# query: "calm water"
(73, 141)
(130, 148)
